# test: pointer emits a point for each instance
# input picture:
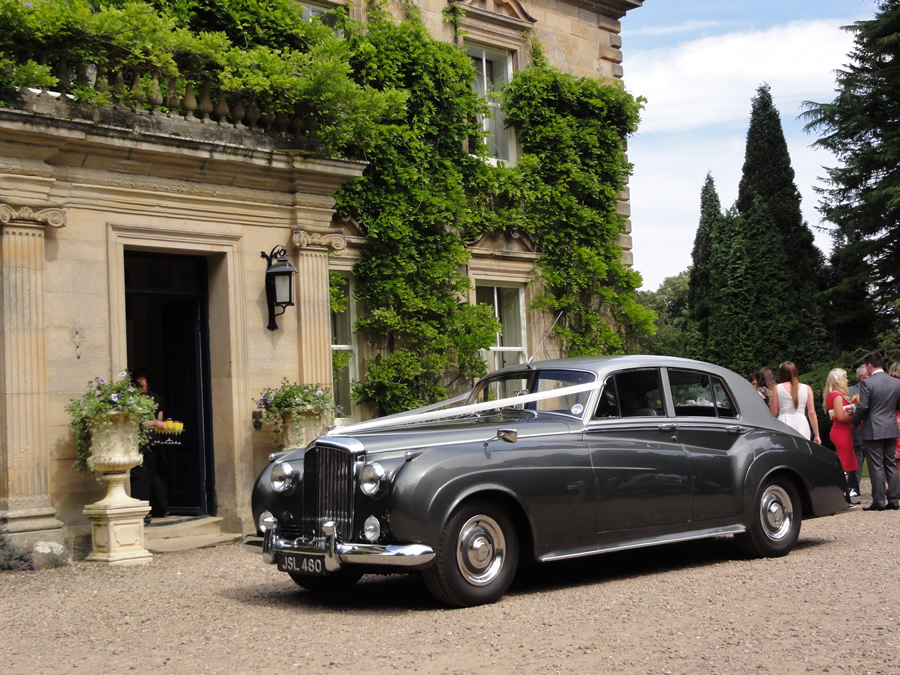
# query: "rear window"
(697, 394)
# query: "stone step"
(174, 544)
(178, 533)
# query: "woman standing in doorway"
(795, 402)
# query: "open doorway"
(167, 329)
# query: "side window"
(692, 394)
(640, 393)
(609, 400)
(698, 394)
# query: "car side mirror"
(507, 435)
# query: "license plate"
(303, 564)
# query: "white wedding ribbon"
(413, 416)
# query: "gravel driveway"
(831, 605)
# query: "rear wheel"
(336, 583)
(477, 556)
(776, 521)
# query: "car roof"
(751, 405)
(603, 364)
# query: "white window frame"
(353, 367)
(502, 61)
(490, 354)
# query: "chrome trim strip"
(652, 541)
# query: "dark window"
(609, 401)
(637, 392)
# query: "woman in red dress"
(839, 408)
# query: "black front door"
(166, 304)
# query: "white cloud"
(711, 81)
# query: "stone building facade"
(134, 241)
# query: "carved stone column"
(313, 304)
(26, 513)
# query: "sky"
(699, 63)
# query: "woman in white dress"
(795, 401)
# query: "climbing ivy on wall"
(565, 190)
(414, 205)
(428, 191)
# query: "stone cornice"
(25, 215)
(613, 8)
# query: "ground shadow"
(407, 592)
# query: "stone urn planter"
(299, 427)
(117, 520)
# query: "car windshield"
(509, 385)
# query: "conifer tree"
(861, 126)
(768, 175)
(699, 285)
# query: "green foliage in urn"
(294, 398)
(92, 415)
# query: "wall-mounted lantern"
(279, 283)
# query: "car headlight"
(371, 479)
(282, 476)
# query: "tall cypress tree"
(699, 283)
(746, 322)
(861, 126)
(768, 175)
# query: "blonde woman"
(835, 397)
(795, 402)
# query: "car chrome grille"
(327, 489)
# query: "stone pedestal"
(117, 520)
(117, 530)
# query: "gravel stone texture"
(832, 605)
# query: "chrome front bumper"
(338, 553)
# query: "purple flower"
(320, 393)
(100, 380)
(123, 374)
(130, 390)
(297, 400)
(116, 397)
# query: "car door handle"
(735, 429)
(668, 427)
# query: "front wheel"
(477, 556)
(776, 521)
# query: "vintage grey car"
(540, 462)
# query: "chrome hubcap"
(776, 512)
(480, 551)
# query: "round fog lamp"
(266, 521)
(371, 479)
(372, 528)
(282, 476)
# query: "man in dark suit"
(861, 374)
(879, 399)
